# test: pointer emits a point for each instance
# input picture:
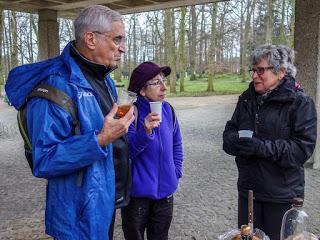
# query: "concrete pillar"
(307, 45)
(48, 34)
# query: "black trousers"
(267, 216)
(111, 228)
(144, 214)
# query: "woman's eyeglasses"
(157, 83)
(259, 70)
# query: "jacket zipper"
(256, 121)
(160, 158)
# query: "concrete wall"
(307, 45)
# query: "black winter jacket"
(285, 122)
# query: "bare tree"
(269, 22)
(250, 4)
(291, 26)
(1, 58)
(182, 61)
(193, 42)
(282, 33)
(212, 47)
(14, 38)
(202, 40)
(170, 43)
(134, 40)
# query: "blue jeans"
(145, 214)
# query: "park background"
(207, 46)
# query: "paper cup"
(157, 108)
(245, 133)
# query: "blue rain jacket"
(72, 211)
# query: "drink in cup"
(125, 101)
(123, 109)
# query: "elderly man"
(79, 167)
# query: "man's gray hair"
(278, 56)
(95, 18)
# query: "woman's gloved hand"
(248, 146)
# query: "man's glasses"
(118, 40)
(259, 70)
(157, 83)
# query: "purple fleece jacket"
(156, 158)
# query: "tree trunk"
(1, 58)
(134, 41)
(242, 50)
(202, 38)
(269, 21)
(170, 45)
(182, 61)
(250, 7)
(193, 43)
(14, 37)
(292, 22)
(282, 35)
(212, 47)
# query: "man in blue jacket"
(79, 168)
(156, 153)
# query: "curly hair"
(278, 56)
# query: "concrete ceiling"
(70, 8)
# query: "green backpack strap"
(56, 96)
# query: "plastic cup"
(157, 108)
(125, 101)
(245, 133)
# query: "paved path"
(205, 204)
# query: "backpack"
(136, 114)
(54, 95)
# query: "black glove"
(248, 146)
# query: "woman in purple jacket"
(156, 153)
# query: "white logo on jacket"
(84, 94)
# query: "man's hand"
(248, 146)
(114, 128)
(151, 121)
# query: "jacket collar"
(143, 104)
(285, 92)
(76, 75)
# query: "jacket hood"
(23, 79)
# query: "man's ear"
(90, 40)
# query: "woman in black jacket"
(283, 120)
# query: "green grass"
(222, 83)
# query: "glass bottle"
(294, 220)
(245, 233)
